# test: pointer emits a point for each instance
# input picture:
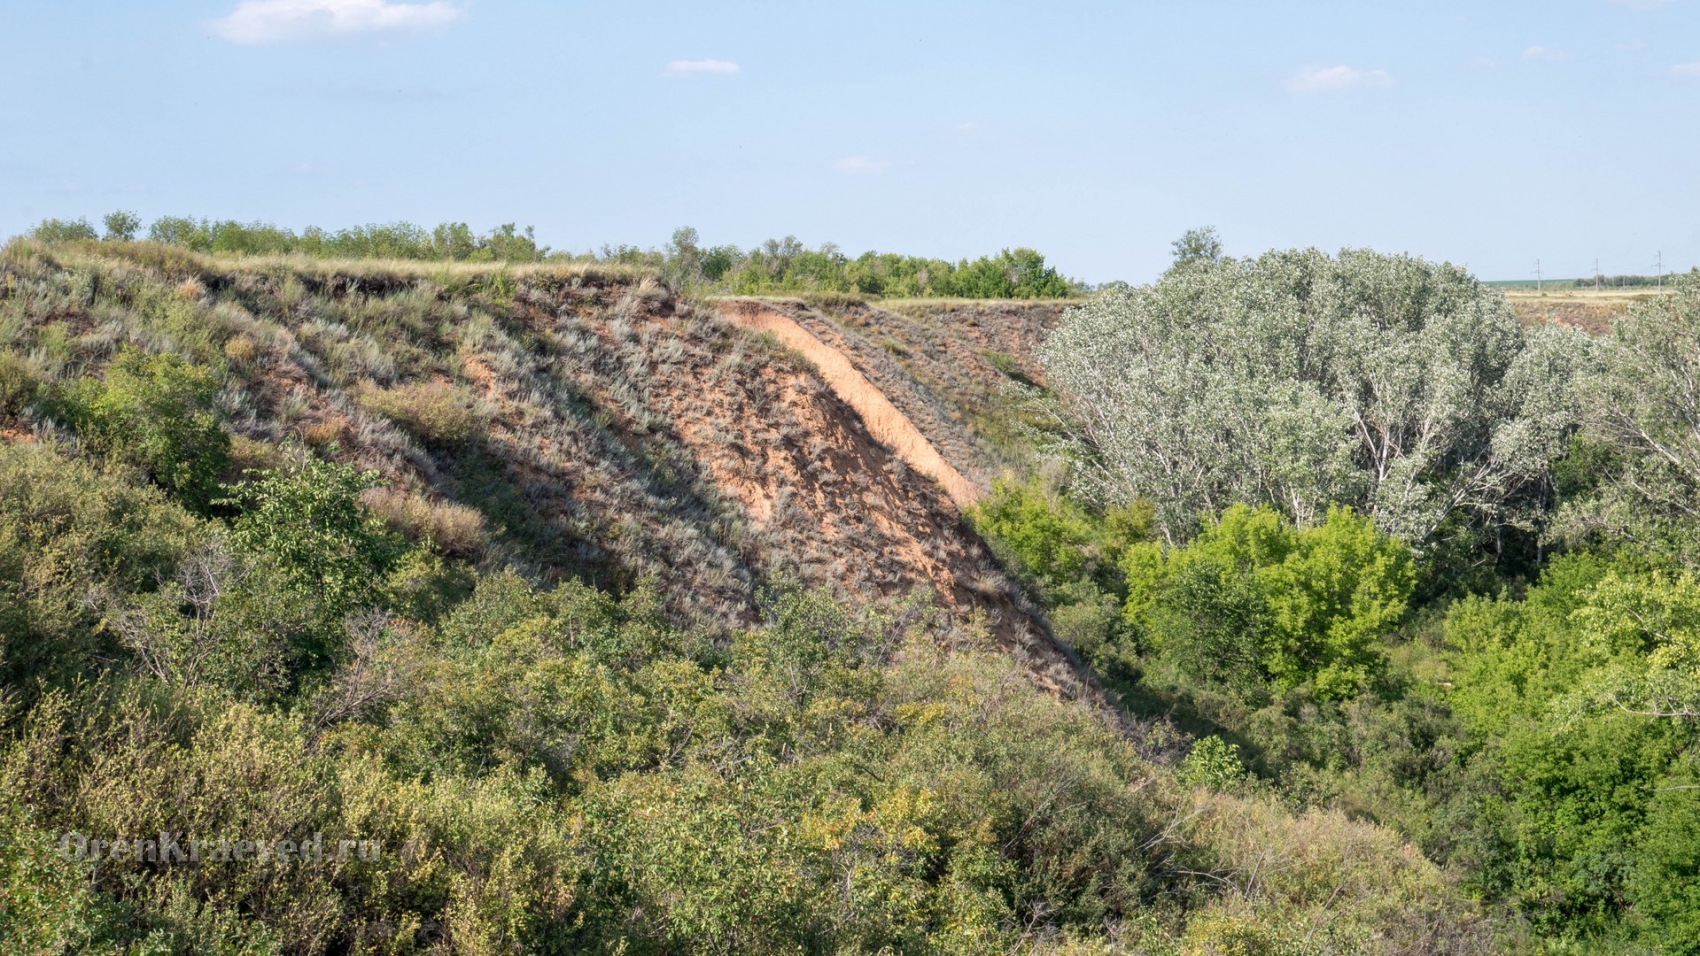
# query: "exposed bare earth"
(882, 419)
(945, 364)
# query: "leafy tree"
(1197, 247)
(63, 230)
(1581, 698)
(1296, 379)
(1643, 429)
(121, 226)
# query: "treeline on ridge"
(775, 266)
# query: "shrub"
(1212, 763)
(454, 529)
(17, 385)
(436, 412)
(157, 413)
(1255, 600)
(68, 534)
(311, 523)
(1054, 540)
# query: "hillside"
(638, 637)
(946, 364)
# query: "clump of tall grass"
(435, 412)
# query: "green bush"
(157, 413)
(1254, 600)
(17, 385)
(69, 535)
(1212, 763)
(1055, 541)
(311, 526)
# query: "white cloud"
(1547, 54)
(861, 165)
(1633, 46)
(966, 127)
(1686, 69)
(280, 21)
(699, 67)
(1334, 79)
(1640, 4)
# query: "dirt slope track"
(888, 425)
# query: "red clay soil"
(883, 420)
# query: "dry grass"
(453, 529)
(1583, 308)
(435, 412)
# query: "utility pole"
(1537, 277)
(1596, 274)
(1661, 265)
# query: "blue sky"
(1484, 133)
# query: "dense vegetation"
(1417, 563)
(544, 707)
(1400, 599)
(776, 266)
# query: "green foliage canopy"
(1299, 380)
(158, 413)
(1254, 600)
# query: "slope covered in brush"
(601, 624)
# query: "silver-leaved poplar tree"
(1404, 388)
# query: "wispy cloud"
(967, 127)
(1633, 46)
(861, 165)
(1547, 54)
(1686, 69)
(1640, 4)
(700, 68)
(282, 21)
(1336, 79)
